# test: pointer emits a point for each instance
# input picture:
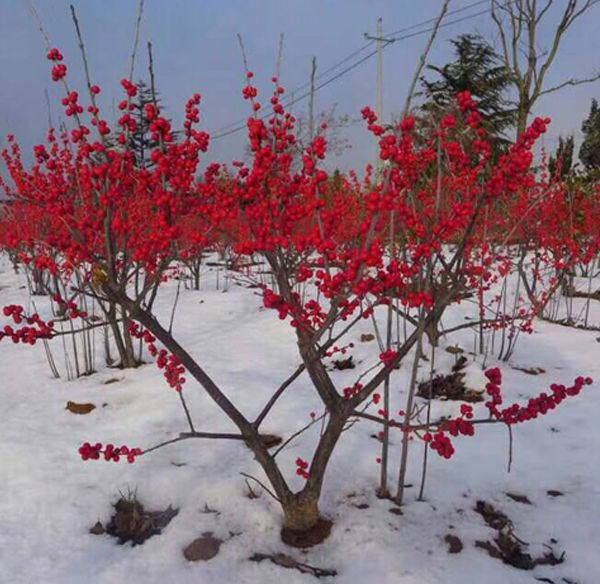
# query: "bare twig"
(262, 485)
(296, 434)
(187, 412)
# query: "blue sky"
(196, 49)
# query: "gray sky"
(196, 49)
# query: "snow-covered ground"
(49, 497)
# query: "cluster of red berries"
(15, 311)
(465, 101)
(440, 442)
(276, 302)
(448, 122)
(192, 113)
(89, 451)
(371, 117)
(417, 300)
(40, 153)
(513, 414)
(342, 350)
(129, 88)
(71, 104)
(71, 307)
(407, 124)
(352, 390)
(537, 406)
(249, 92)
(59, 70)
(173, 369)
(54, 55)
(302, 468)
(473, 119)
(387, 357)
(170, 364)
(27, 335)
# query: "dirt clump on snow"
(203, 549)
(450, 386)
(343, 364)
(524, 499)
(507, 547)
(131, 522)
(80, 409)
(455, 545)
(530, 370)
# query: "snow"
(49, 498)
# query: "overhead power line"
(434, 19)
(392, 38)
(359, 51)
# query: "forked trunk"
(301, 511)
(303, 527)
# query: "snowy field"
(50, 498)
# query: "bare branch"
(423, 58)
(500, 25)
(136, 37)
(212, 435)
(415, 427)
(583, 9)
(277, 395)
(544, 10)
(279, 56)
(571, 82)
(189, 435)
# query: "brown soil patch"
(308, 538)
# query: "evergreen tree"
(478, 69)
(140, 141)
(564, 154)
(589, 153)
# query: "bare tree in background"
(337, 143)
(519, 24)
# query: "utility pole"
(380, 40)
(379, 96)
(311, 103)
(379, 69)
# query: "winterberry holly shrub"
(426, 232)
